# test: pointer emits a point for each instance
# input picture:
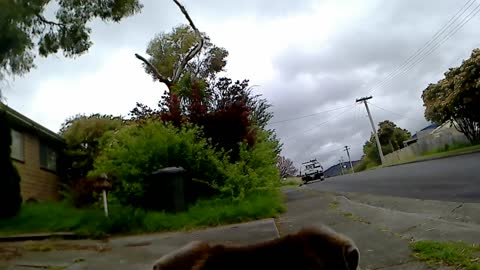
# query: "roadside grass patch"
(356, 218)
(333, 205)
(91, 222)
(290, 183)
(457, 254)
(452, 149)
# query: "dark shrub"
(10, 197)
(82, 192)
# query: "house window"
(48, 158)
(17, 146)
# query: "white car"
(313, 170)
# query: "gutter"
(18, 118)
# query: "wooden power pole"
(349, 159)
(380, 152)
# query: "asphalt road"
(448, 179)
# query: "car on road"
(313, 170)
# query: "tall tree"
(456, 98)
(28, 31)
(168, 52)
(184, 50)
(391, 139)
(82, 134)
(188, 63)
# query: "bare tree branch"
(189, 56)
(44, 20)
(185, 13)
(194, 51)
(159, 76)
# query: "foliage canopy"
(456, 98)
(27, 30)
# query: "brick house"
(35, 150)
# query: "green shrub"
(256, 169)
(82, 134)
(132, 153)
(10, 197)
(361, 166)
(365, 163)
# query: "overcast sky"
(306, 56)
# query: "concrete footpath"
(381, 226)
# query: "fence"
(426, 143)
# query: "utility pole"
(380, 152)
(341, 165)
(349, 159)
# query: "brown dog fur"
(308, 249)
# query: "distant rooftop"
(431, 126)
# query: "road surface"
(448, 179)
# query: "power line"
(407, 64)
(322, 123)
(313, 149)
(426, 44)
(311, 153)
(309, 115)
(402, 115)
(470, 16)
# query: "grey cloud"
(262, 9)
(306, 82)
(379, 41)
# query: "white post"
(105, 204)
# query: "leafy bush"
(361, 166)
(131, 154)
(82, 134)
(227, 112)
(134, 152)
(365, 164)
(256, 169)
(10, 197)
(80, 193)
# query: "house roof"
(20, 121)
(431, 126)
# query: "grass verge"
(457, 254)
(61, 217)
(454, 149)
(291, 181)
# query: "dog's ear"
(185, 258)
(352, 257)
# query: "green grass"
(355, 218)
(446, 150)
(457, 254)
(291, 181)
(333, 205)
(443, 151)
(61, 217)
(452, 149)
